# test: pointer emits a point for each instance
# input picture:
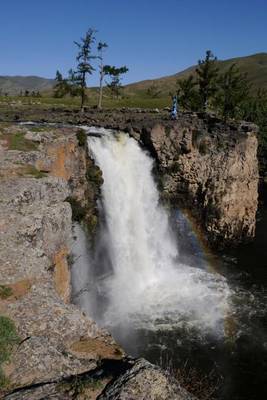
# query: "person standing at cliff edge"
(174, 108)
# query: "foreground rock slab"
(147, 382)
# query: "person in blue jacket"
(174, 108)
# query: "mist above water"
(138, 274)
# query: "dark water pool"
(237, 362)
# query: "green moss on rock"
(81, 137)
(8, 339)
(94, 175)
(5, 292)
(34, 172)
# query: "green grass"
(8, 339)
(140, 100)
(37, 129)
(137, 102)
(17, 141)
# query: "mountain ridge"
(14, 84)
(254, 65)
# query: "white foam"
(148, 284)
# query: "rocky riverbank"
(50, 349)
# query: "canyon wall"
(210, 170)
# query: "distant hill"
(255, 66)
(14, 84)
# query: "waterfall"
(137, 265)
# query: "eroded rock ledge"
(59, 352)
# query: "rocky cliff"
(210, 170)
(206, 167)
(48, 347)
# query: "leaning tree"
(84, 59)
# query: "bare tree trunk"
(83, 93)
(100, 89)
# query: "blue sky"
(153, 38)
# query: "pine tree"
(73, 87)
(188, 96)
(61, 88)
(84, 59)
(207, 73)
(115, 78)
(254, 109)
(233, 90)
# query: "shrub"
(78, 212)
(81, 137)
(94, 174)
(5, 291)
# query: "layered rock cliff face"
(52, 349)
(210, 170)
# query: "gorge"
(200, 166)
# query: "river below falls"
(236, 364)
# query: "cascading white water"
(147, 284)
